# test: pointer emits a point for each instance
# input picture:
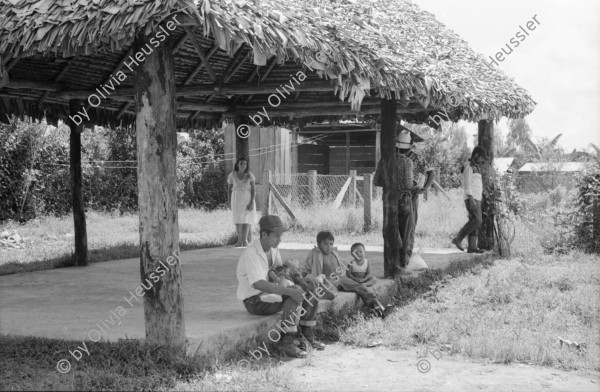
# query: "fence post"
(312, 187)
(436, 177)
(596, 225)
(367, 195)
(352, 190)
(268, 185)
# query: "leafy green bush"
(35, 175)
(587, 227)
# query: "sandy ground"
(343, 368)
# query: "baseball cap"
(272, 223)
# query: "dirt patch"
(343, 368)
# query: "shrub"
(35, 176)
(587, 227)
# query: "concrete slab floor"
(83, 303)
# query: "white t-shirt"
(472, 183)
(253, 266)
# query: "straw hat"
(405, 137)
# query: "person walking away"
(472, 195)
(243, 206)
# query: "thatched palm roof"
(364, 48)
(71, 27)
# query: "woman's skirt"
(239, 200)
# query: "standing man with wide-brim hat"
(409, 165)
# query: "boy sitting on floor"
(323, 264)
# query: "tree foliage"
(446, 149)
(35, 175)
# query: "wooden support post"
(347, 152)
(596, 225)
(294, 164)
(80, 229)
(486, 140)
(229, 148)
(391, 236)
(154, 83)
(353, 190)
(312, 187)
(242, 147)
(368, 198)
(268, 190)
(377, 147)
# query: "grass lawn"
(49, 241)
(500, 311)
(506, 311)
(511, 312)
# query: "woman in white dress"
(241, 187)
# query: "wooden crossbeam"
(199, 66)
(62, 91)
(227, 77)
(57, 79)
(264, 76)
(359, 195)
(282, 201)
(12, 63)
(340, 196)
(229, 71)
(181, 43)
(439, 188)
(201, 54)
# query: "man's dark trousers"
(406, 227)
(472, 226)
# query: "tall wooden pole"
(159, 227)
(486, 140)
(242, 147)
(391, 236)
(368, 196)
(80, 229)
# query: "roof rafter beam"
(263, 77)
(227, 78)
(201, 54)
(325, 111)
(57, 79)
(200, 65)
(63, 92)
(12, 63)
(229, 72)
